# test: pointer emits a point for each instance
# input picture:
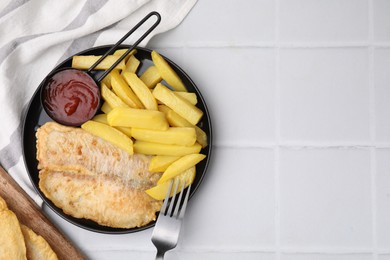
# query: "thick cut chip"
(165, 149)
(109, 134)
(123, 91)
(159, 191)
(140, 118)
(111, 98)
(189, 96)
(85, 62)
(106, 108)
(151, 77)
(174, 119)
(141, 90)
(173, 135)
(102, 118)
(180, 166)
(167, 73)
(132, 64)
(160, 163)
(178, 104)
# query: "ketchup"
(71, 97)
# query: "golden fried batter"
(69, 146)
(37, 247)
(11, 238)
(88, 177)
(105, 199)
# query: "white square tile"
(234, 208)
(383, 198)
(221, 22)
(381, 10)
(238, 86)
(317, 256)
(324, 95)
(325, 198)
(177, 255)
(382, 94)
(323, 20)
(122, 254)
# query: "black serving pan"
(36, 116)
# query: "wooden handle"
(31, 215)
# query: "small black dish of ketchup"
(72, 97)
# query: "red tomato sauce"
(71, 97)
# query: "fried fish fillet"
(62, 145)
(107, 200)
(12, 244)
(37, 247)
(88, 177)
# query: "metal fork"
(166, 231)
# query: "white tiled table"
(299, 96)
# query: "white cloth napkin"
(36, 35)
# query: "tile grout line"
(282, 45)
(277, 133)
(372, 122)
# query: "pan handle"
(113, 48)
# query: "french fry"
(165, 149)
(180, 166)
(151, 77)
(159, 191)
(176, 120)
(85, 62)
(178, 104)
(201, 137)
(109, 134)
(138, 118)
(111, 98)
(107, 81)
(141, 90)
(189, 96)
(164, 109)
(120, 52)
(132, 64)
(160, 163)
(167, 73)
(106, 108)
(102, 118)
(174, 135)
(123, 91)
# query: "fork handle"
(160, 255)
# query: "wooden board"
(32, 216)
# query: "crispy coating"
(105, 199)
(37, 247)
(88, 177)
(12, 244)
(3, 204)
(69, 146)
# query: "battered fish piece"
(37, 247)
(62, 145)
(107, 200)
(12, 244)
(88, 177)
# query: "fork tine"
(170, 210)
(164, 206)
(183, 208)
(175, 214)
